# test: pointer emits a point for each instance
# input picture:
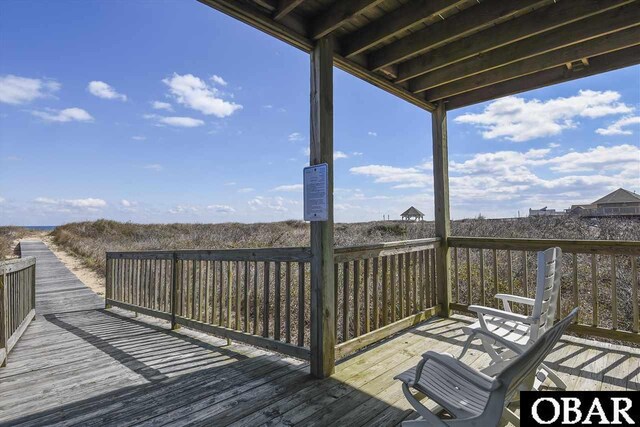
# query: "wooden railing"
(382, 289)
(17, 301)
(600, 277)
(262, 296)
(256, 296)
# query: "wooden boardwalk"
(78, 364)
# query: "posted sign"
(316, 192)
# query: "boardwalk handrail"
(17, 301)
(600, 276)
(238, 294)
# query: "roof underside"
(459, 51)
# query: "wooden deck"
(80, 364)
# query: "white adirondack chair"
(520, 330)
(471, 397)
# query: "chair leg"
(554, 377)
(510, 417)
(467, 344)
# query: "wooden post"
(441, 202)
(108, 288)
(174, 291)
(321, 145)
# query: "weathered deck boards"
(97, 367)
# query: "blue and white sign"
(316, 192)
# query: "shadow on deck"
(100, 367)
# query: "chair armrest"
(506, 343)
(481, 311)
(516, 299)
(460, 368)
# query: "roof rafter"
(400, 19)
(459, 25)
(577, 32)
(538, 21)
(587, 49)
(598, 64)
(285, 7)
(337, 14)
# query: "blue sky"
(168, 111)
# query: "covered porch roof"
(459, 51)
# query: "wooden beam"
(577, 32)
(340, 12)
(291, 29)
(598, 64)
(321, 147)
(400, 19)
(539, 21)
(456, 26)
(602, 45)
(285, 7)
(441, 206)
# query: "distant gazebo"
(412, 214)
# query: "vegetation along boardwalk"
(79, 364)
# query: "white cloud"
(617, 128)
(287, 188)
(104, 90)
(90, 204)
(246, 190)
(21, 90)
(159, 105)
(230, 183)
(295, 137)
(221, 208)
(598, 158)
(370, 133)
(403, 177)
(357, 153)
(154, 167)
(339, 155)
(184, 122)
(218, 80)
(180, 209)
(63, 116)
(194, 93)
(139, 137)
(2, 199)
(517, 119)
(127, 203)
(278, 204)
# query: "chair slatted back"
(547, 289)
(522, 369)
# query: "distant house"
(412, 214)
(544, 212)
(618, 203)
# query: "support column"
(321, 144)
(441, 201)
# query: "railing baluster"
(407, 284)
(276, 302)
(256, 305)
(575, 285)
(206, 294)
(221, 308)
(376, 306)
(229, 292)
(287, 302)
(614, 294)
(393, 288)
(482, 285)
(469, 296)
(414, 281)
(495, 277)
(237, 314)
(345, 301)
(455, 274)
(246, 296)
(385, 290)
(634, 293)
(336, 297)
(265, 298)
(356, 297)
(510, 271)
(594, 289)
(367, 306)
(301, 304)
